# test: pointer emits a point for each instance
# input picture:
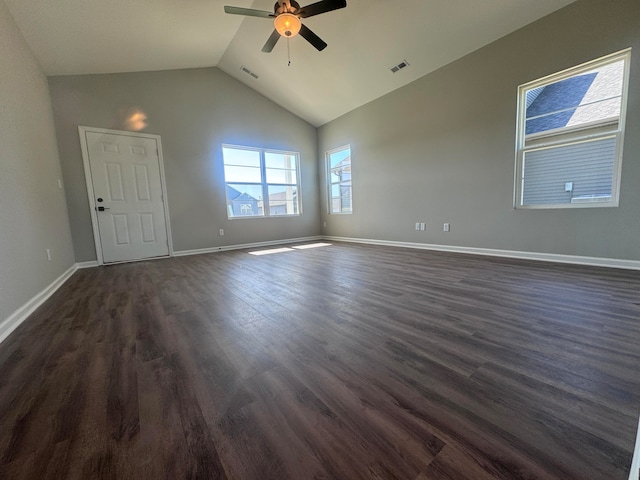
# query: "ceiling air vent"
(400, 66)
(248, 72)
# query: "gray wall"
(194, 111)
(441, 149)
(33, 214)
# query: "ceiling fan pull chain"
(288, 53)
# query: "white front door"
(127, 189)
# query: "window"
(260, 183)
(339, 176)
(570, 135)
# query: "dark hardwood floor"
(341, 362)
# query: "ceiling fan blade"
(271, 42)
(248, 12)
(312, 38)
(320, 7)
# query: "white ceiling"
(365, 39)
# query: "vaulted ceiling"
(365, 40)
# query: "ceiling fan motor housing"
(290, 6)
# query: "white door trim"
(82, 131)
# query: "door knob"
(102, 209)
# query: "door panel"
(148, 230)
(120, 228)
(143, 190)
(114, 182)
(125, 173)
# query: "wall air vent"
(400, 66)
(248, 72)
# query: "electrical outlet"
(446, 227)
(60, 183)
(423, 226)
(324, 224)
(48, 254)
(221, 232)
(417, 226)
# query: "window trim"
(327, 157)
(592, 131)
(264, 184)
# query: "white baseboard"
(12, 322)
(199, 251)
(542, 257)
(90, 264)
(634, 473)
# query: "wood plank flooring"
(341, 362)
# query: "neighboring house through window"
(570, 133)
(339, 176)
(260, 183)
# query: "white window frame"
(330, 183)
(263, 184)
(566, 136)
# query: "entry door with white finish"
(127, 189)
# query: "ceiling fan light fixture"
(287, 25)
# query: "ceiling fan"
(287, 15)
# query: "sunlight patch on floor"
(311, 245)
(273, 250)
(289, 249)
